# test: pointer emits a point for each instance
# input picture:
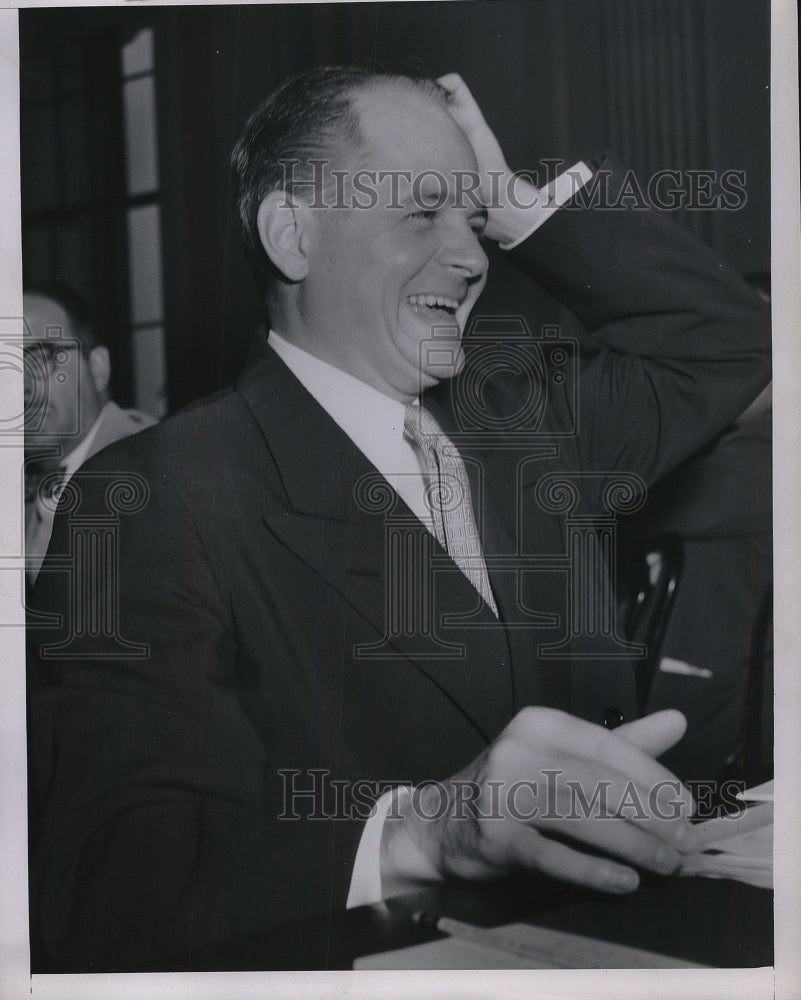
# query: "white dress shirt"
(371, 419)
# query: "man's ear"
(283, 225)
(99, 368)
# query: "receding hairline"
(424, 90)
(77, 314)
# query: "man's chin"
(444, 362)
(439, 353)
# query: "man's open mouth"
(433, 303)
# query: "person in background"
(69, 412)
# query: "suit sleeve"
(679, 344)
(157, 837)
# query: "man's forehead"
(44, 318)
(405, 128)
(395, 100)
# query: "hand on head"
(507, 219)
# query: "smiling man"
(383, 275)
(326, 589)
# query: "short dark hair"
(311, 116)
(78, 310)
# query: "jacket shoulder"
(201, 434)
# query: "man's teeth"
(434, 302)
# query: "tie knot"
(421, 427)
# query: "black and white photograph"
(400, 438)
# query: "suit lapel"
(346, 523)
(499, 474)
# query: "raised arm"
(680, 343)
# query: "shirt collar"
(371, 419)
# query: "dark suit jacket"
(718, 505)
(257, 575)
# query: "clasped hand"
(549, 784)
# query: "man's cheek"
(402, 259)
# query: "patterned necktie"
(448, 498)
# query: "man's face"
(386, 281)
(60, 400)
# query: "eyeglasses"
(43, 357)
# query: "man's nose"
(463, 251)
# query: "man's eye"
(478, 223)
(423, 213)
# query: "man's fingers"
(586, 741)
(463, 106)
(533, 851)
(587, 801)
(586, 771)
(502, 224)
(450, 81)
(635, 843)
(656, 733)
(459, 93)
